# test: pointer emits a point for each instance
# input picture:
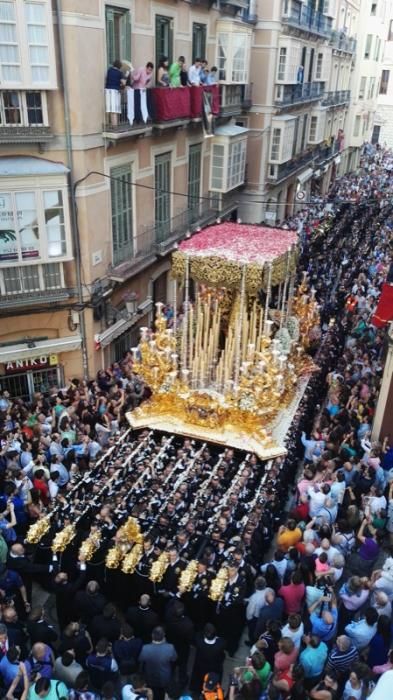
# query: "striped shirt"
(342, 660)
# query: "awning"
(105, 338)
(40, 349)
(305, 175)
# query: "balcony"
(30, 285)
(308, 20)
(165, 108)
(284, 170)
(289, 95)
(234, 99)
(336, 98)
(341, 42)
(23, 117)
(327, 152)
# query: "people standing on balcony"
(212, 76)
(142, 77)
(162, 72)
(113, 84)
(138, 107)
(194, 72)
(175, 71)
(204, 72)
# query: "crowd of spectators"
(317, 609)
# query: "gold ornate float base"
(245, 435)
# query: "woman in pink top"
(293, 594)
(286, 655)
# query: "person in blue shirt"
(324, 624)
(313, 658)
(362, 631)
(9, 665)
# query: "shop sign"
(31, 364)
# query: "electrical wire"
(202, 198)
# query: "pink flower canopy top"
(240, 243)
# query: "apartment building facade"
(383, 121)
(372, 34)
(316, 106)
(90, 210)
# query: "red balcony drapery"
(183, 103)
(171, 103)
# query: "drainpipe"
(73, 206)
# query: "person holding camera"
(324, 623)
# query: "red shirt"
(292, 595)
(42, 487)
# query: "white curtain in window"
(7, 11)
(40, 74)
(239, 58)
(223, 48)
(7, 33)
(35, 12)
(37, 34)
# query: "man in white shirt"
(256, 601)
(317, 498)
(194, 72)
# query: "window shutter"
(292, 64)
(110, 35)
(125, 31)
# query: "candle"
(268, 327)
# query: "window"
(233, 51)
(236, 164)
(373, 11)
(304, 132)
(31, 278)
(371, 89)
(239, 56)
(32, 226)
(9, 49)
(313, 129)
(228, 163)
(164, 38)
(377, 48)
(282, 60)
(356, 130)
(23, 108)
(38, 42)
(275, 145)
(121, 204)
(218, 162)
(198, 40)
(362, 88)
(162, 197)
(318, 70)
(383, 88)
(118, 34)
(390, 32)
(376, 134)
(194, 180)
(367, 48)
(26, 44)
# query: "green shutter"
(194, 181)
(121, 203)
(162, 197)
(125, 42)
(110, 35)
